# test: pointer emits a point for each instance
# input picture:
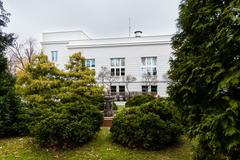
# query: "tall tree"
(9, 103)
(43, 85)
(65, 102)
(205, 74)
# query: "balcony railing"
(123, 96)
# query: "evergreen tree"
(81, 81)
(61, 105)
(43, 84)
(205, 74)
(9, 103)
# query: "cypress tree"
(9, 103)
(205, 74)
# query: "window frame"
(54, 56)
(117, 67)
(149, 65)
(92, 63)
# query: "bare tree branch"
(20, 54)
(129, 79)
(149, 79)
(105, 77)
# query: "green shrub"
(71, 127)
(150, 126)
(114, 106)
(139, 100)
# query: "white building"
(123, 56)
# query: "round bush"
(139, 100)
(71, 127)
(150, 126)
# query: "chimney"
(138, 33)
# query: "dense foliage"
(9, 102)
(150, 126)
(70, 127)
(139, 100)
(51, 96)
(205, 74)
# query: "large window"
(54, 55)
(90, 63)
(149, 65)
(117, 66)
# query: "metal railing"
(123, 96)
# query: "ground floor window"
(113, 90)
(122, 90)
(144, 89)
(154, 89)
(118, 90)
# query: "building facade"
(143, 57)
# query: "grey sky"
(97, 18)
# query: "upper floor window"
(90, 63)
(117, 66)
(54, 56)
(149, 65)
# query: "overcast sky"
(97, 18)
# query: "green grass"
(100, 148)
(120, 108)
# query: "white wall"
(132, 55)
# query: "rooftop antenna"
(129, 27)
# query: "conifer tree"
(62, 105)
(205, 74)
(9, 103)
(81, 81)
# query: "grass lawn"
(100, 148)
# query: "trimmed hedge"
(139, 100)
(150, 126)
(71, 127)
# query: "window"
(149, 65)
(113, 90)
(122, 90)
(117, 66)
(54, 56)
(154, 89)
(90, 63)
(144, 89)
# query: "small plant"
(150, 126)
(139, 100)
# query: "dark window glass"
(113, 90)
(112, 72)
(117, 72)
(93, 63)
(154, 71)
(144, 89)
(122, 71)
(154, 89)
(121, 88)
